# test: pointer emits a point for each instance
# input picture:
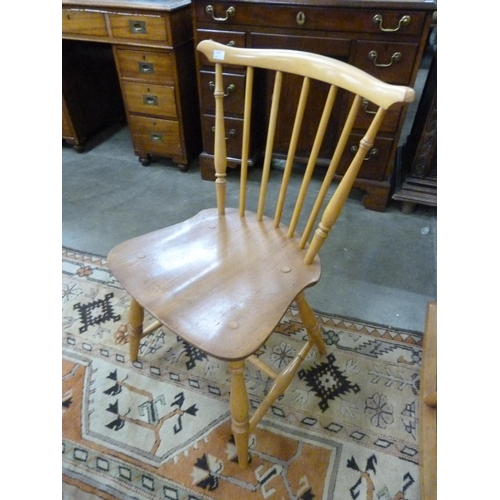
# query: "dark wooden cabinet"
(153, 62)
(415, 176)
(384, 38)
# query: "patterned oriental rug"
(346, 429)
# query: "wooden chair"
(223, 279)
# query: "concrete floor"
(377, 267)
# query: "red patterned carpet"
(346, 429)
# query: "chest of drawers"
(384, 38)
(152, 45)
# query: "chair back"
(342, 79)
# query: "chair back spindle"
(310, 67)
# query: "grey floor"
(376, 267)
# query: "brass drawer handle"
(137, 27)
(230, 88)
(229, 12)
(394, 58)
(232, 132)
(373, 153)
(146, 67)
(365, 103)
(301, 18)
(378, 19)
(150, 100)
(156, 137)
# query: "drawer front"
(80, 22)
(156, 136)
(150, 99)
(234, 86)
(390, 62)
(136, 27)
(234, 133)
(368, 110)
(375, 164)
(153, 67)
(231, 38)
(403, 22)
(339, 48)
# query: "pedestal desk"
(386, 38)
(151, 42)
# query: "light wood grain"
(428, 408)
(223, 279)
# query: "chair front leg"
(135, 321)
(239, 411)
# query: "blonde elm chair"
(223, 279)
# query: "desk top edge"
(162, 5)
(168, 5)
(416, 4)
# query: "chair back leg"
(310, 322)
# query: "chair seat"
(216, 281)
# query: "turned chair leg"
(135, 320)
(310, 322)
(239, 411)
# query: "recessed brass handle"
(365, 103)
(301, 18)
(137, 27)
(373, 153)
(394, 58)
(378, 19)
(150, 100)
(146, 67)
(229, 12)
(230, 88)
(156, 137)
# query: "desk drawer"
(234, 134)
(81, 22)
(147, 66)
(311, 17)
(138, 27)
(390, 62)
(148, 99)
(375, 163)
(156, 136)
(234, 88)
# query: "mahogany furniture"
(386, 38)
(223, 279)
(152, 45)
(415, 179)
(428, 408)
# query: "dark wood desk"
(386, 38)
(148, 73)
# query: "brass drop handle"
(394, 58)
(232, 132)
(365, 103)
(229, 12)
(230, 88)
(373, 153)
(378, 19)
(137, 26)
(301, 18)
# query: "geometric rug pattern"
(346, 428)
